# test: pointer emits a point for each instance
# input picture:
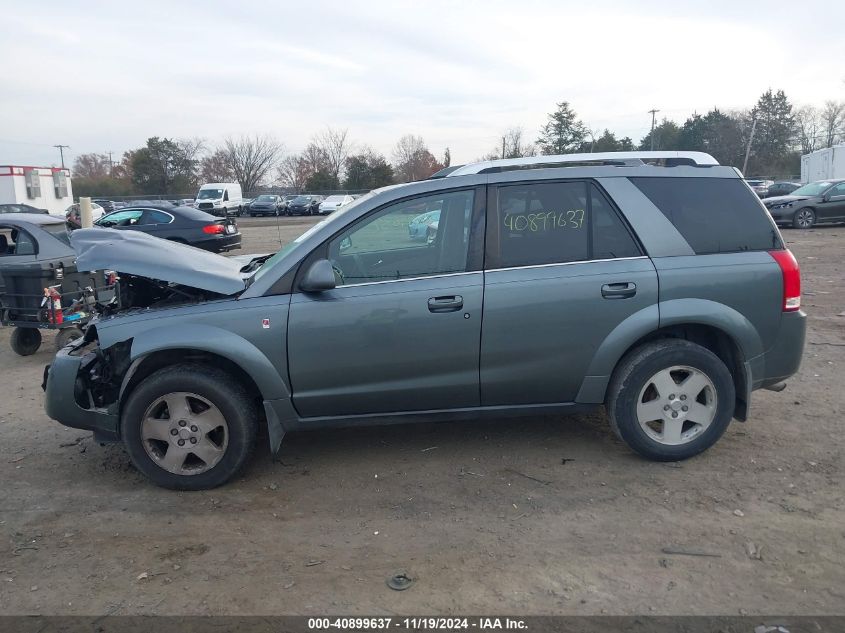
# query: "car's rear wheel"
(804, 218)
(25, 341)
(670, 399)
(189, 427)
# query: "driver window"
(413, 238)
(21, 243)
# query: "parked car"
(819, 202)
(265, 204)
(177, 224)
(220, 198)
(333, 203)
(72, 214)
(759, 186)
(424, 226)
(19, 207)
(35, 253)
(304, 205)
(186, 202)
(781, 189)
(547, 289)
(107, 205)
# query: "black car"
(818, 202)
(178, 224)
(781, 189)
(304, 205)
(108, 205)
(19, 207)
(265, 204)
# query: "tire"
(66, 335)
(147, 431)
(804, 218)
(25, 341)
(633, 394)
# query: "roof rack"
(618, 159)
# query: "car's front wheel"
(670, 399)
(804, 218)
(189, 427)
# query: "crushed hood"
(142, 255)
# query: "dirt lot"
(531, 516)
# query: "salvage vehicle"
(36, 260)
(185, 225)
(653, 283)
(820, 202)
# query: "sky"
(106, 76)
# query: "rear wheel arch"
(710, 337)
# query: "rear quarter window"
(714, 215)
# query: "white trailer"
(823, 164)
(41, 187)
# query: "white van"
(220, 198)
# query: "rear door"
(562, 270)
(401, 330)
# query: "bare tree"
(91, 166)
(216, 168)
(252, 158)
(335, 148)
(514, 145)
(412, 159)
(808, 125)
(294, 172)
(833, 118)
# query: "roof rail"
(620, 159)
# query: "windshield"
(302, 199)
(337, 217)
(265, 199)
(209, 194)
(59, 231)
(812, 189)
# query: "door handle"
(621, 290)
(445, 304)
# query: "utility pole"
(653, 112)
(111, 164)
(62, 153)
(748, 147)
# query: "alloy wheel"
(184, 433)
(676, 405)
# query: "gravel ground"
(542, 515)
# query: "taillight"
(791, 279)
(213, 229)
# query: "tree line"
(330, 162)
(773, 133)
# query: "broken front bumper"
(67, 399)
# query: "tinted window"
(128, 217)
(714, 215)
(542, 223)
(611, 238)
(156, 217)
(413, 238)
(838, 190)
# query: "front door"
(401, 330)
(562, 271)
(833, 208)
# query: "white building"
(43, 187)
(824, 164)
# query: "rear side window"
(714, 215)
(555, 223)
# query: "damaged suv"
(652, 283)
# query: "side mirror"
(826, 197)
(319, 277)
(345, 243)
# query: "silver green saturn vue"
(653, 283)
